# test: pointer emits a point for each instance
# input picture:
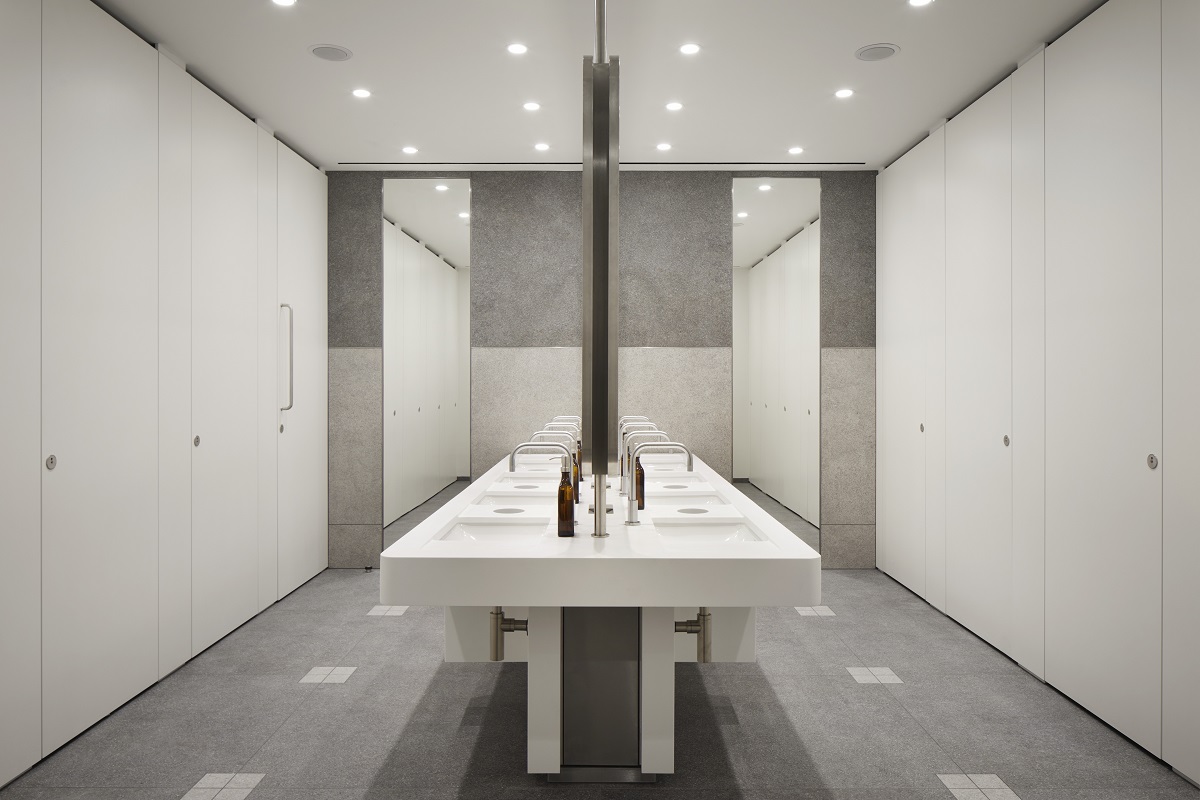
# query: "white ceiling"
(774, 215)
(430, 216)
(444, 82)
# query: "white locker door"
(449, 365)
(1104, 348)
(794, 483)
(304, 442)
(392, 359)
(224, 368)
(911, 257)
(810, 366)
(1181, 427)
(773, 376)
(99, 367)
(269, 420)
(979, 366)
(431, 387)
(754, 284)
(20, 391)
(413, 409)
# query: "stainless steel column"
(601, 693)
(601, 301)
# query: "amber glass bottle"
(566, 503)
(575, 478)
(579, 455)
(640, 480)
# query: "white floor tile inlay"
(978, 787)
(816, 611)
(387, 611)
(224, 786)
(874, 675)
(328, 674)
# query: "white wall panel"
(741, 373)
(933, 308)
(463, 422)
(269, 417)
(1028, 640)
(1104, 367)
(303, 445)
(911, 308)
(224, 367)
(1181, 426)
(979, 366)
(174, 365)
(20, 391)
(99, 367)
(810, 369)
(393, 361)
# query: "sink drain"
(674, 486)
(693, 511)
(526, 486)
(508, 510)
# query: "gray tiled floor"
(788, 518)
(795, 725)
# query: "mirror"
(426, 341)
(777, 347)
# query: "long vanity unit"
(601, 621)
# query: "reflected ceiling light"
(532, 106)
(441, 187)
(463, 215)
(674, 106)
(917, 3)
(742, 215)
(285, 2)
(542, 146)
(517, 49)
(766, 187)
(361, 93)
(664, 146)
(844, 93)
(690, 49)
(410, 151)
(795, 151)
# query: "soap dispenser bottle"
(566, 501)
(640, 483)
(575, 478)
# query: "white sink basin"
(710, 534)
(495, 535)
(545, 498)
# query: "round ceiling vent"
(876, 52)
(330, 52)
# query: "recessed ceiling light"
(766, 187)
(410, 150)
(844, 93)
(330, 52)
(690, 49)
(876, 52)
(541, 146)
(463, 215)
(361, 93)
(674, 106)
(917, 3)
(441, 187)
(795, 151)
(532, 106)
(285, 2)
(517, 49)
(664, 146)
(742, 215)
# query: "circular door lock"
(51, 462)
(785, 408)
(922, 427)
(196, 442)
(1006, 440)
(281, 429)
(1152, 461)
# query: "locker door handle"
(291, 358)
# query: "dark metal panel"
(601, 687)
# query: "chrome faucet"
(548, 433)
(631, 515)
(628, 418)
(571, 426)
(512, 457)
(630, 440)
(569, 418)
